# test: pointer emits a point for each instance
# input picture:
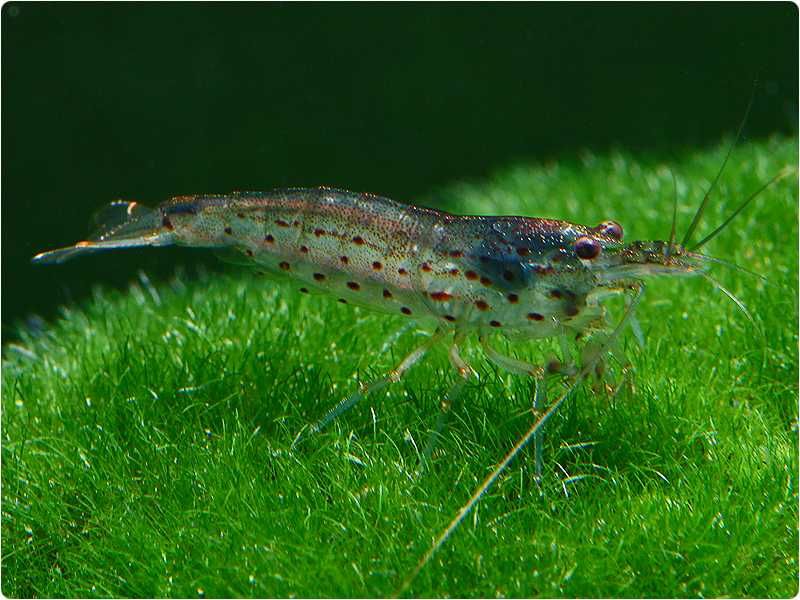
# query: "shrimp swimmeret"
(466, 275)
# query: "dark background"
(146, 101)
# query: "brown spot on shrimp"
(353, 285)
(482, 305)
(441, 296)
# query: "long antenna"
(785, 172)
(700, 209)
(511, 455)
(730, 295)
(671, 244)
(733, 266)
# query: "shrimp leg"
(521, 443)
(519, 367)
(465, 373)
(391, 377)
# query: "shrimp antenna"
(785, 172)
(671, 244)
(730, 295)
(700, 209)
(733, 266)
(521, 443)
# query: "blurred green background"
(146, 101)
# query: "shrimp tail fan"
(121, 224)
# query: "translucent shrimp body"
(522, 276)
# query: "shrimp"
(521, 277)
(463, 275)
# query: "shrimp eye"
(587, 248)
(610, 228)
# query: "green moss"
(146, 435)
